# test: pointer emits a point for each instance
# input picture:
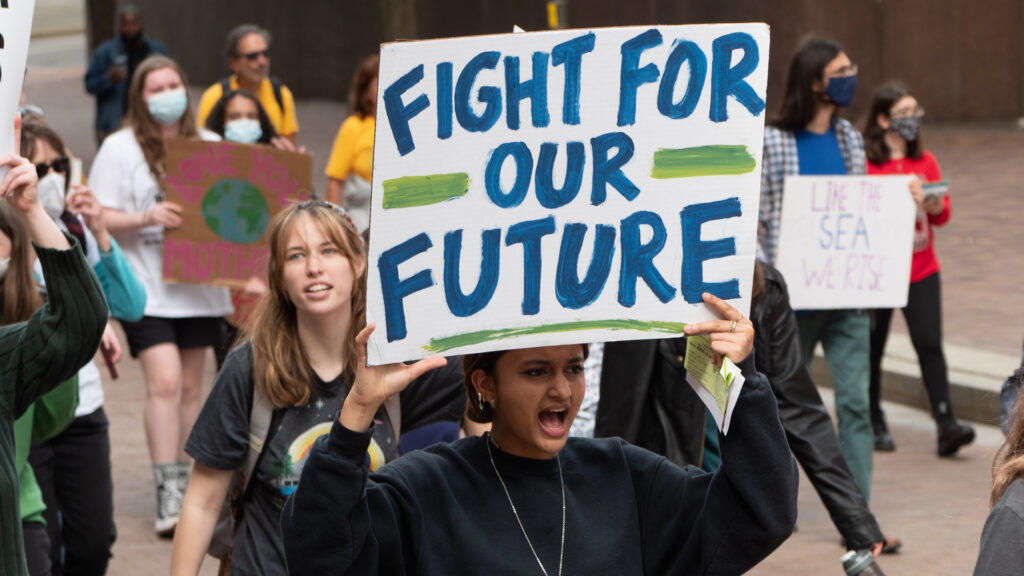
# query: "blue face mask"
(168, 106)
(243, 130)
(840, 90)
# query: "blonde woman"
(180, 320)
(301, 359)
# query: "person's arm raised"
(375, 384)
(18, 187)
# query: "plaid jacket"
(781, 160)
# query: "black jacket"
(659, 411)
(809, 429)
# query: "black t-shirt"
(220, 440)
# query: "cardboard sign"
(846, 241)
(229, 193)
(15, 30)
(563, 187)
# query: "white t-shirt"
(121, 179)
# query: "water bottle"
(860, 563)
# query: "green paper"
(714, 379)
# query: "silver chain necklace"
(561, 553)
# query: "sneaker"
(952, 436)
(168, 509)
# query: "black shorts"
(184, 332)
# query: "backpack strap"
(263, 422)
(275, 83)
(225, 85)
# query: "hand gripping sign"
(564, 186)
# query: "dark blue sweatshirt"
(628, 511)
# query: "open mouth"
(315, 288)
(553, 422)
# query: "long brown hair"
(799, 100)
(875, 148)
(364, 75)
(18, 287)
(1009, 462)
(281, 369)
(147, 130)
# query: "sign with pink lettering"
(229, 193)
(846, 241)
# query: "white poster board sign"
(846, 241)
(15, 30)
(563, 187)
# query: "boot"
(883, 440)
(953, 435)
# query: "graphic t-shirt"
(220, 440)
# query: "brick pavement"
(936, 506)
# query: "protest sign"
(563, 186)
(15, 30)
(229, 193)
(846, 241)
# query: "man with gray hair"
(248, 53)
(110, 70)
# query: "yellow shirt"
(353, 149)
(284, 121)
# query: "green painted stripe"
(412, 191)
(723, 160)
(438, 345)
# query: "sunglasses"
(61, 165)
(254, 56)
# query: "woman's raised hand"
(733, 336)
(19, 184)
(374, 385)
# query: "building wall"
(965, 60)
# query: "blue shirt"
(819, 153)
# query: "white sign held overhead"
(563, 186)
(15, 30)
(846, 241)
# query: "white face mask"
(51, 194)
(3, 266)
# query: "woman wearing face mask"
(350, 168)
(181, 320)
(56, 341)
(526, 498)
(893, 143)
(73, 468)
(239, 117)
(807, 137)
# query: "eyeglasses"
(917, 112)
(850, 70)
(58, 165)
(254, 56)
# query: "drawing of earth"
(236, 211)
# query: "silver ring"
(733, 328)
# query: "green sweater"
(36, 356)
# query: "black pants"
(37, 549)
(924, 320)
(73, 472)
